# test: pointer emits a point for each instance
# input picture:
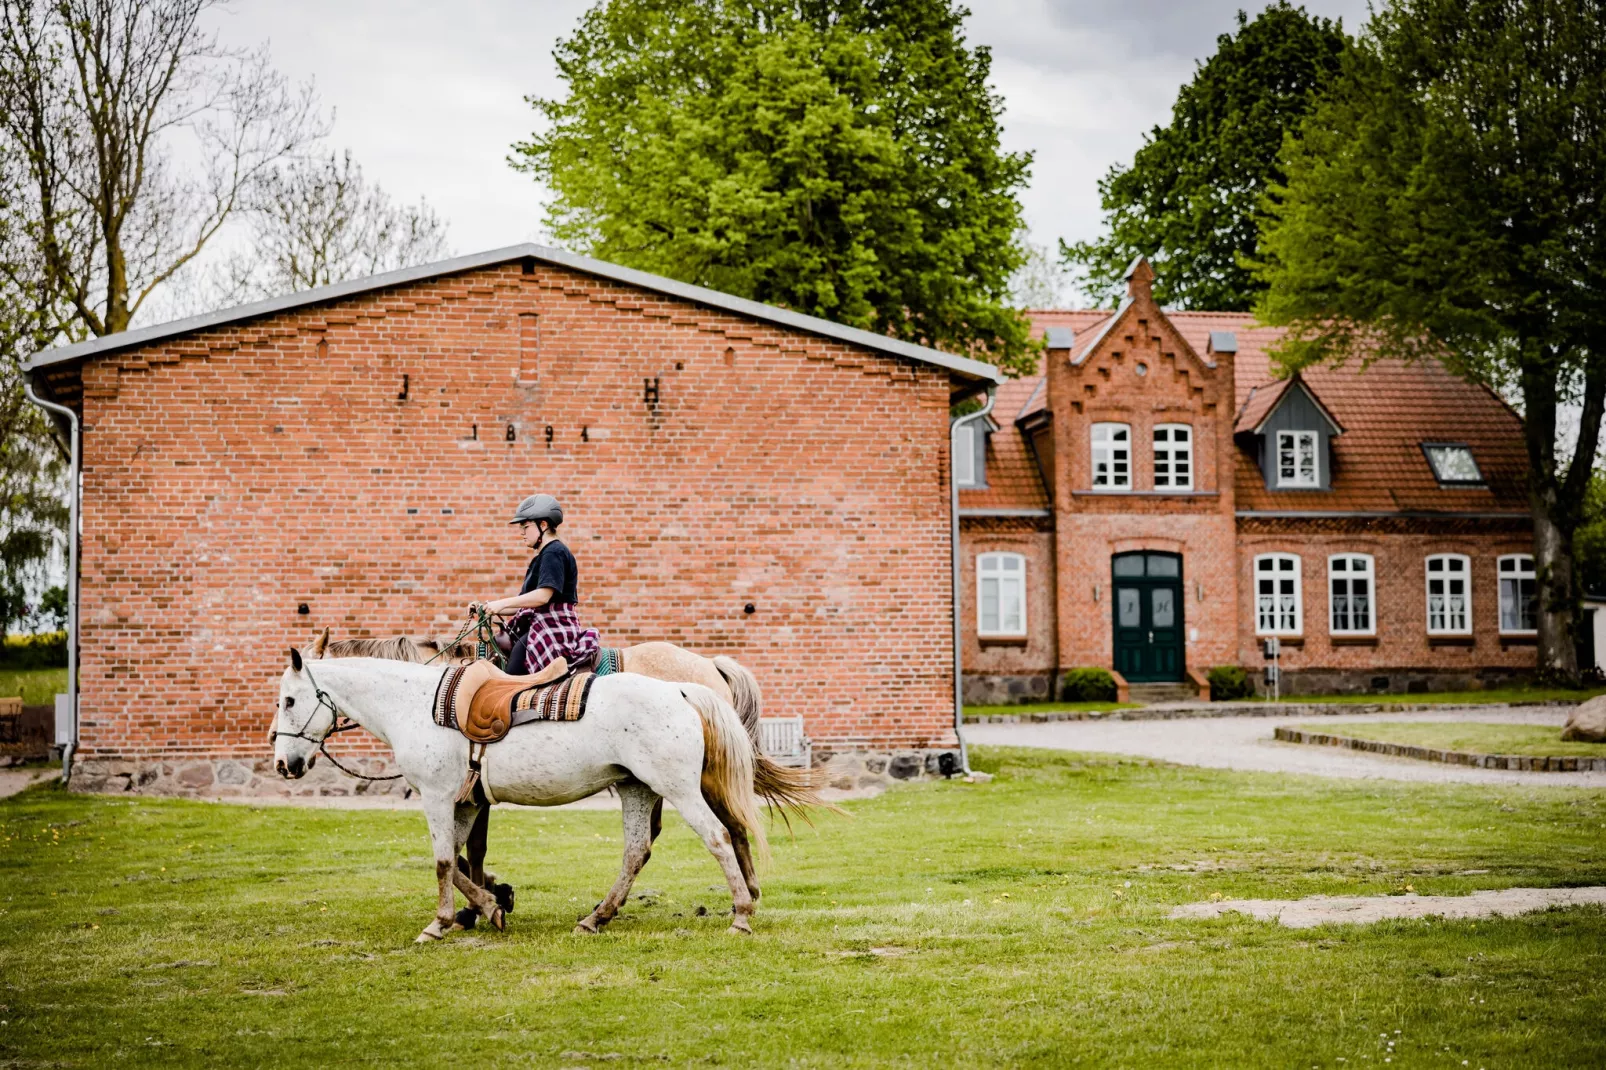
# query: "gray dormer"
(1292, 434)
(978, 432)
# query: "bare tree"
(142, 136)
(316, 221)
(1040, 282)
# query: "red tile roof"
(1387, 410)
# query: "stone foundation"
(212, 778)
(1001, 690)
(1390, 681)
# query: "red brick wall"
(232, 474)
(1178, 387)
(1399, 555)
(1020, 536)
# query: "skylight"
(1453, 464)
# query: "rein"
(335, 727)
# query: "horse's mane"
(400, 648)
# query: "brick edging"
(1522, 762)
(1245, 709)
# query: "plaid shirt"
(555, 631)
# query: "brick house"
(348, 458)
(1159, 502)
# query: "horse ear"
(295, 659)
(320, 643)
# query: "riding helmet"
(539, 507)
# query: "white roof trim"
(964, 367)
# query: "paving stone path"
(1246, 743)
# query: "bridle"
(335, 727)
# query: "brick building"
(1158, 502)
(349, 457)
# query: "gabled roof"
(1014, 484)
(1263, 401)
(963, 367)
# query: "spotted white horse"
(646, 738)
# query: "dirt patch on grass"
(1336, 909)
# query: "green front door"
(1148, 616)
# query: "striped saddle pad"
(485, 703)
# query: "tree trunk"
(1556, 604)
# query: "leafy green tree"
(1190, 201)
(837, 157)
(1444, 202)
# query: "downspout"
(72, 581)
(953, 535)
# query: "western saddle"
(485, 703)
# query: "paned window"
(1296, 458)
(1000, 594)
(1112, 456)
(1350, 584)
(1173, 457)
(1449, 595)
(1518, 593)
(965, 455)
(1277, 605)
(1453, 464)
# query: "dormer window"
(970, 454)
(1296, 459)
(1453, 464)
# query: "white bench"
(782, 739)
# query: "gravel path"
(1361, 909)
(1246, 743)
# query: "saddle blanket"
(485, 703)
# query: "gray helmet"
(539, 507)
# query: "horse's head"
(304, 719)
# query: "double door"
(1148, 616)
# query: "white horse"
(647, 738)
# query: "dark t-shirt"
(554, 567)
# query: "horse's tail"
(789, 789)
(728, 763)
(744, 693)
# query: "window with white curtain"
(1173, 457)
(965, 455)
(1000, 594)
(1277, 595)
(1449, 594)
(1519, 591)
(1296, 458)
(1351, 585)
(1112, 456)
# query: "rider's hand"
(476, 608)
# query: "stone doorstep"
(1184, 711)
(1517, 762)
(197, 777)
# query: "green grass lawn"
(1022, 922)
(1473, 738)
(38, 687)
(1048, 707)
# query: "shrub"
(1088, 685)
(1229, 682)
(47, 650)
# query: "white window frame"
(1277, 611)
(1466, 579)
(991, 566)
(1519, 574)
(1299, 479)
(1369, 574)
(965, 455)
(1174, 453)
(1105, 450)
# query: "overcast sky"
(430, 96)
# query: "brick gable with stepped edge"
(1384, 501)
(358, 451)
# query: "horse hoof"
(499, 919)
(585, 927)
(740, 927)
(467, 918)
(504, 896)
(427, 937)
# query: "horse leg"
(695, 811)
(443, 834)
(638, 803)
(482, 904)
(474, 865)
(657, 819)
(739, 843)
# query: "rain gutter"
(71, 743)
(953, 514)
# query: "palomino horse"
(783, 788)
(649, 739)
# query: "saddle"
(485, 703)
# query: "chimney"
(1139, 278)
